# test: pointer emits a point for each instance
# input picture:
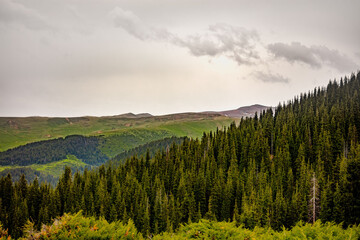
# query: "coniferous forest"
(297, 162)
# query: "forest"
(30, 175)
(298, 163)
(148, 148)
(85, 148)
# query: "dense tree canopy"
(149, 148)
(259, 173)
(84, 148)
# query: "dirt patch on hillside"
(13, 124)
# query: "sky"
(107, 57)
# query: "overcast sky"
(106, 57)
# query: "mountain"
(17, 131)
(29, 144)
(40, 146)
(132, 115)
(241, 112)
(248, 111)
(299, 163)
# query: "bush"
(80, 227)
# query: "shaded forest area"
(84, 148)
(30, 175)
(299, 163)
(149, 148)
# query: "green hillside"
(20, 131)
(49, 172)
(38, 146)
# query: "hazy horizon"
(102, 58)
(137, 113)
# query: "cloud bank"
(235, 43)
(314, 56)
(220, 39)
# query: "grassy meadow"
(20, 131)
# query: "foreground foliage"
(206, 229)
(79, 227)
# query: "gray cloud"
(11, 11)
(295, 52)
(314, 56)
(220, 39)
(270, 77)
(236, 43)
(128, 21)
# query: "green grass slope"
(115, 142)
(20, 131)
(56, 168)
(49, 172)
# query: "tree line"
(299, 162)
(30, 174)
(149, 148)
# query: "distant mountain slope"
(41, 143)
(84, 148)
(44, 140)
(49, 172)
(17, 131)
(132, 115)
(248, 111)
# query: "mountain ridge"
(243, 111)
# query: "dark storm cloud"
(220, 39)
(13, 12)
(314, 56)
(270, 77)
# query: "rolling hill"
(247, 111)
(17, 131)
(40, 146)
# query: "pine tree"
(314, 199)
